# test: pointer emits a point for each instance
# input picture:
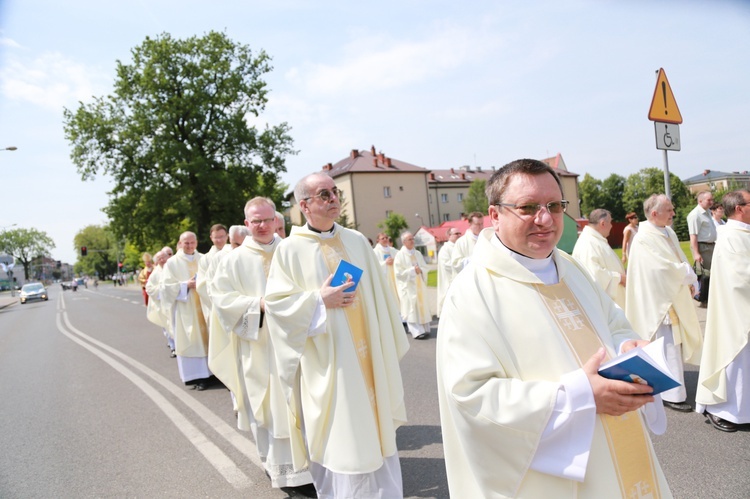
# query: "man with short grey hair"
(595, 253)
(445, 271)
(702, 232)
(659, 293)
(411, 280)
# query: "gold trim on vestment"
(625, 434)
(421, 312)
(333, 252)
(193, 270)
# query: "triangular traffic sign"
(663, 105)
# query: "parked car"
(33, 291)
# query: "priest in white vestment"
(184, 308)
(593, 251)
(156, 311)
(465, 244)
(219, 237)
(411, 280)
(244, 360)
(724, 380)
(659, 294)
(524, 328)
(445, 270)
(385, 253)
(337, 352)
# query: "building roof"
(558, 164)
(461, 175)
(440, 232)
(712, 175)
(370, 162)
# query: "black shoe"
(679, 406)
(172, 354)
(201, 386)
(307, 490)
(422, 336)
(703, 304)
(721, 424)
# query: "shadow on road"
(422, 476)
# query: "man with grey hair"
(337, 351)
(184, 307)
(237, 234)
(445, 271)
(597, 256)
(724, 376)
(411, 280)
(280, 225)
(702, 232)
(524, 328)
(659, 295)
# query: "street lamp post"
(420, 219)
(10, 148)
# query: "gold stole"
(421, 312)
(333, 252)
(193, 270)
(673, 318)
(626, 435)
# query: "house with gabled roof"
(569, 181)
(714, 180)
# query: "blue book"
(644, 365)
(346, 272)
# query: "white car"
(33, 291)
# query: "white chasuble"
(412, 287)
(189, 325)
(501, 353)
(326, 377)
(596, 256)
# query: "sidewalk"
(6, 300)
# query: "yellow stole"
(625, 434)
(333, 252)
(193, 269)
(423, 319)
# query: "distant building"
(569, 182)
(712, 180)
(447, 190)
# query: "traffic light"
(84, 251)
(119, 264)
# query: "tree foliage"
(102, 248)
(394, 225)
(175, 138)
(648, 181)
(26, 245)
(476, 199)
(605, 194)
(591, 194)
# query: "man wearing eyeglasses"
(597, 256)
(337, 351)
(659, 301)
(461, 254)
(445, 270)
(523, 410)
(219, 237)
(244, 359)
(725, 367)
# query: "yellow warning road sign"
(663, 106)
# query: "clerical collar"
(543, 268)
(318, 231)
(737, 223)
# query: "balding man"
(184, 307)
(411, 280)
(724, 376)
(597, 256)
(659, 294)
(337, 351)
(280, 225)
(237, 235)
(702, 232)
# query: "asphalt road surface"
(92, 406)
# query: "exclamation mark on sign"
(664, 94)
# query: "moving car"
(33, 291)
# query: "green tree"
(176, 139)
(612, 191)
(343, 219)
(394, 225)
(26, 245)
(102, 251)
(476, 199)
(591, 194)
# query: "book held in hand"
(346, 272)
(644, 365)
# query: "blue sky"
(435, 83)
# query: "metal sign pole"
(667, 190)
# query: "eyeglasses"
(326, 195)
(266, 221)
(531, 209)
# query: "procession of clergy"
(313, 369)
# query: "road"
(92, 406)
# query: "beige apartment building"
(712, 180)
(375, 185)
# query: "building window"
(444, 198)
(429, 198)
(386, 192)
(388, 213)
(460, 196)
(400, 187)
(446, 217)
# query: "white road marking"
(213, 454)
